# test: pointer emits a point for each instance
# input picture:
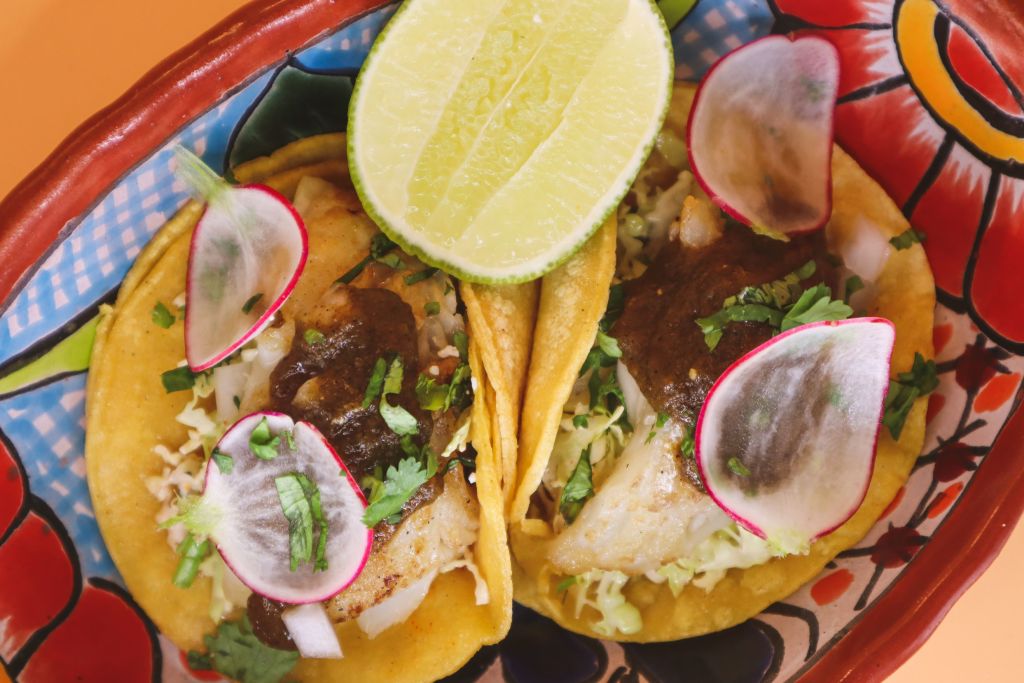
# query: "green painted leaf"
(675, 11)
(70, 354)
(297, 105)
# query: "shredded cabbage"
(617, 613)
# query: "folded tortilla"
(129, 413)
(574, 298)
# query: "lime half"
(492, 137)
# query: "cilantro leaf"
(815, 305)
(178, 379)
(853, 285)
(162, 317)
(908, 387)
(262, 443)
(225, 463)
(609, 345)
(431, 308)
(462, 344)
(398, 419)
(459, 389)
(380, 245)
(419, 276)
(236, 652)
(400, 483)
(431, 395)
(566, 583)
(251, 302)
(578, 489)
(659, 422)
(616, 304)
(907, 239)
(580, 421)
(313, 336)
(298, 512)
(686, 446)
(737, 467)
(312, 492)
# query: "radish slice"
(785, 442)
(760, 133)
(312, 631)
(247, 253)
(242, 511)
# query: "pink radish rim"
(264, 319)
(717, 199)
(348, 477)
(740, 361)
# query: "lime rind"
(558, 252)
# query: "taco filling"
(329, 486)
(622, 508)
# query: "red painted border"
(171, 95)
(965, 545)
(189, 82)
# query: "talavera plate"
(930, 104)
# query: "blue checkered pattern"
(47, 429)
(714, 28)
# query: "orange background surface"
(61, 60)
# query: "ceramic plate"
(930, 104)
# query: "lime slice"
(492, 137)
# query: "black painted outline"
(23, 507)
(784, 609)
(156, 654)
(995, 116)
(29, 648)
(931, 174)
(876, 88)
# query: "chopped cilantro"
(419, 276)
(616, 304)
(162, 317)
(376, 383)
(608, 345)
(782, 304)
(462, 344)
(262, 443)
(686, 446)
(237, 653)
(580, 421)
(313, 336)
(380, 245)
(237, 401)
(225, 463)
(815, 305)
(251, 302)
(289, 436)
(392, 261)
(566, 583)
(298, 512)
(178, 379)
(387, 496)
(737, 467)
(908, 387)
(659, 422)
(459, 389)
(398, 419)
(853, 285)
(578, 489)
(431, 308)
(907, 239)
(431, 395)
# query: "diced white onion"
(312, 630)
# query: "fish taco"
(614, 531)
(346, 454)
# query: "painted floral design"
(55, 626)
(931, 104)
